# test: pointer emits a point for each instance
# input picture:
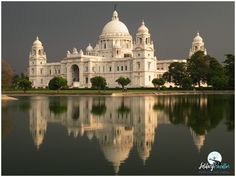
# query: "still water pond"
(162, 135)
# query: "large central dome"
(115, 26)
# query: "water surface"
(162, 135)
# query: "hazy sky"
(64, 25)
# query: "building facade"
(115, 54)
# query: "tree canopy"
(25, 84)
(57, 83)
(98, 82)
(202, 68)
(123, 82)
(21, 82)
(7, 74)
(157, 82)
(229, 69)
(177, 71)
(197, 67)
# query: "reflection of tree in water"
(75, 113)
(7, 121)
(24, 104)
(123, 110)
(230, 114)
(201, 113)
(58, 105)
(99, 107)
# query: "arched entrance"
(75, 73)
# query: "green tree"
(20, 81)
(7, 74)
(219, 82)
(15, 80)
(198, 67)
(177, 71)
(158, 82)
(123, 82)
(186, 83)
(229, 69)
(57, 83)
(24, 84)
(98, 82)
(215, 69)
(167, 77)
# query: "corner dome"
(115, 26)
(37, 42)
(89, 48)
(143, 29)
(198, 38)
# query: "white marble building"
(115, 54)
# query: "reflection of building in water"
(116, 143)
(145, 123)
(38, 123)
(118, 123)
(198, 139)
(78, 118)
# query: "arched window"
(75, 73)
(138, 65)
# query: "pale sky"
(64, 25)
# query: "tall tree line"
(202, 69)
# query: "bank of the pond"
(5, 97)
(115, 92)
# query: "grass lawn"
(104, 92)
(82, 91)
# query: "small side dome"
(75, 51)
(89, 48)
(37, 42)
(197, 39)
(143, 29)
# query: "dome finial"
(143, 23)
(115, 15)
(198, 33)
(37, 37)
